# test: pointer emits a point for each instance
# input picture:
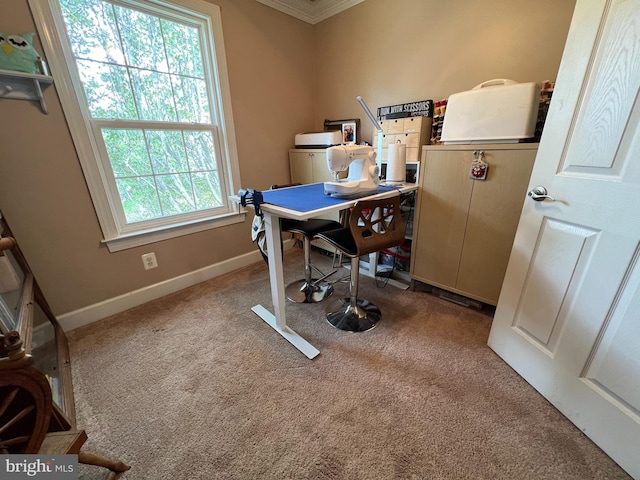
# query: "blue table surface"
(305, 198)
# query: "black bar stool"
(308, 289)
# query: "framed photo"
(349, 132)
(345, 126)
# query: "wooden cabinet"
(309, 165)
(465, 228)
(414, 132)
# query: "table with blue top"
(300, 203)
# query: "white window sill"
(138, 239)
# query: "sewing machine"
(362, 179)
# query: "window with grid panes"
(150, 112)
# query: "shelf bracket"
(43, 105)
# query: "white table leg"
(276, 273)
(277, 320)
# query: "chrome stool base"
(359, 318)
(308, 292)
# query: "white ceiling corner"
(310, 11)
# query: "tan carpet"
(196, 386)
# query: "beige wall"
(392, 52)
(43, 193)
(286, 76)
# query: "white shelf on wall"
(24, 86)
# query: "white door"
(568, 317)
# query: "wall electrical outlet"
(149, 261)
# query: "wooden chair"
(373, 225)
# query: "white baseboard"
(84, 316)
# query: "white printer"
(319, 139)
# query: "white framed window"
(144, 88)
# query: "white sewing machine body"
(363, 177)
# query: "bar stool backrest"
(376, 224)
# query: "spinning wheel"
(30, 421)
(25, 410)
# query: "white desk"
(272, 215)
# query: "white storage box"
(496, 111)
(318, 139)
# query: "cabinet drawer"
(413, 154)
(412, 124)
(392, 126)
(389, 139)
(411, 139)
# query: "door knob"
(539, 194)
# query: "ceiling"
(311, 11)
